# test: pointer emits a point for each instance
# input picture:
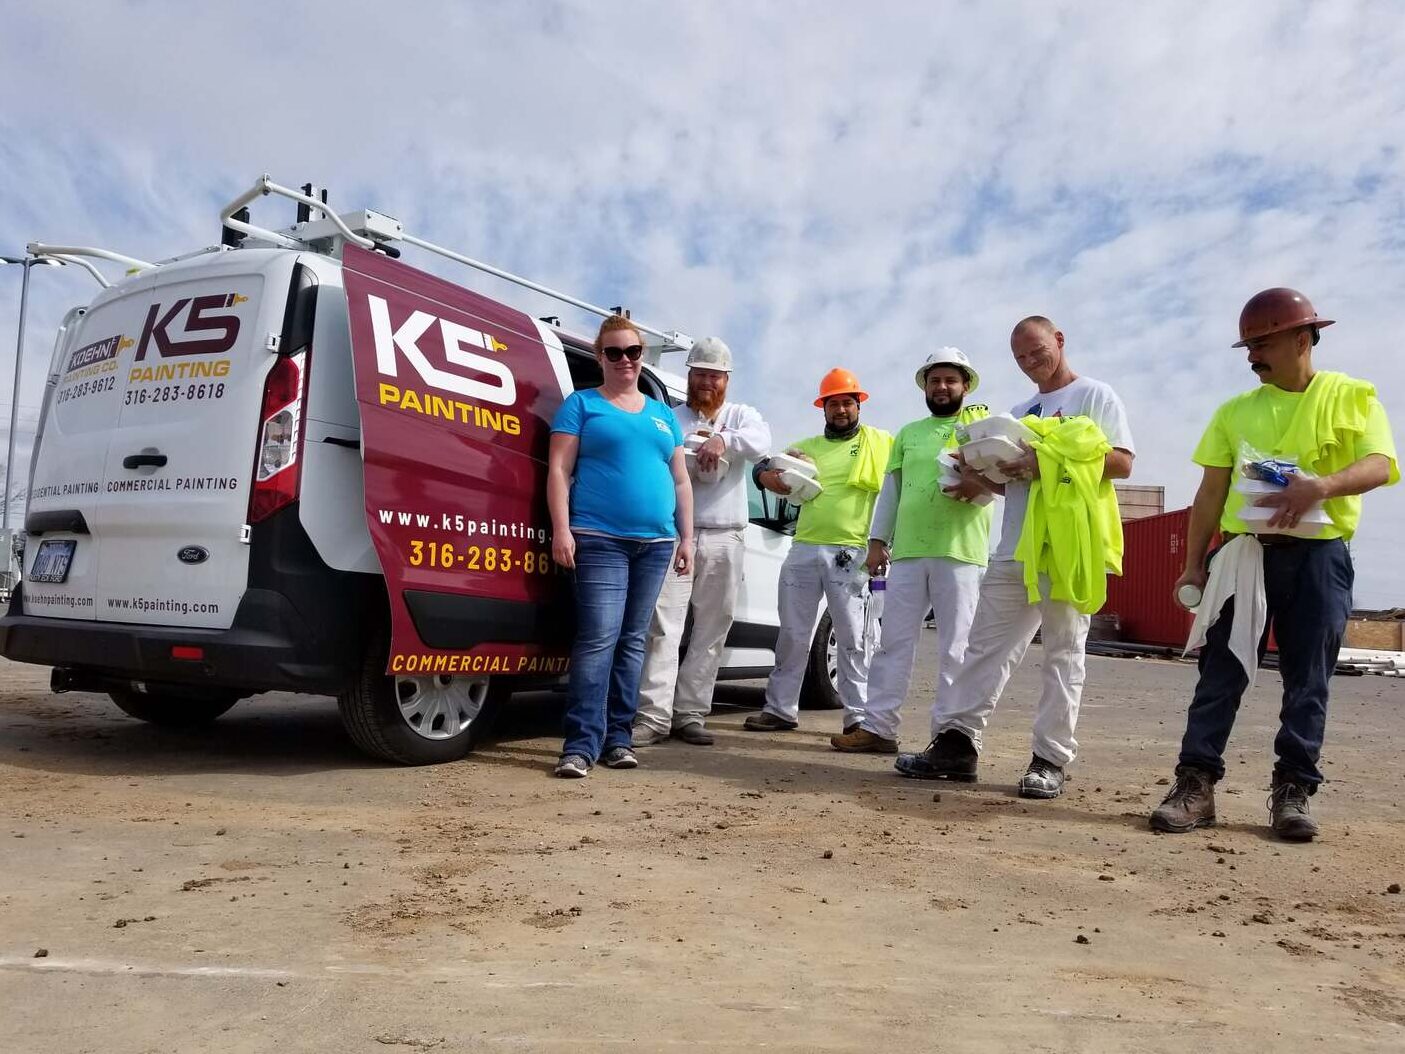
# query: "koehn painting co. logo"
(456, 340)
(201, 317)
(99, 356)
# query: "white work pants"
(810, 572)
(1004, 625)
(673, 695)
(951, 589)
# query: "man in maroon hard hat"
(1285, 466)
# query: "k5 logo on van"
(192, 325)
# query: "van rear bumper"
(269, 647)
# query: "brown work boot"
(862, 741)
(1288, 812)
(1190, 804)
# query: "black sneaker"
(951, 756)
(1043, 779)
(620, 758)
(572, 767)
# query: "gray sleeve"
(885, 509)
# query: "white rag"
(1237, 571)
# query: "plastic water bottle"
(873, 614)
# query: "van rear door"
(176, 476)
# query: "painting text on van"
(454, 342)
(199, 318)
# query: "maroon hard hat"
(1273, 311)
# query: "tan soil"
(258, 886)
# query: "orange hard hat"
(1276, 310)
(839, 381)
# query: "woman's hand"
(683, 556)
(563, 549)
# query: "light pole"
(25, 262)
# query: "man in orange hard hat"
(1285, 466)
(827, 557)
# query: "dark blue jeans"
(1308, 586)
(617, 586)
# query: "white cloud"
(820, 183)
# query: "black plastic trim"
(753, 635)
(56, 520)
(453, 621)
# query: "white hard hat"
(949, 357)
(710, 353)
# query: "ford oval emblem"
(193, 554)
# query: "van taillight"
(277, 460)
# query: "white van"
(197, 530)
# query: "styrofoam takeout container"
(803, 488)
(1002, 426)
(789, 463)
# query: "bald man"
(1005, 620)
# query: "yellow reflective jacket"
(1072, 530)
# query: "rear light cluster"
(278, 458)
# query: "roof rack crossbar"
(264, 185)
(78, 261)
(508, 276)
(40, 249)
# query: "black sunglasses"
(632, 353)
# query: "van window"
(770, 510)
(585, 370)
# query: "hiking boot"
(1190, 803)
(644, 736)
(620, 758)
(766, 721)
(695, 734)
(1288, 812)
(572, 767)
(951, 756)
(862, 741)
(1043, 779)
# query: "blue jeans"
(1308, 587)
(617, 585)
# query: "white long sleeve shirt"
(748, 438)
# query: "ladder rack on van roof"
(322, 230)
(374, 230)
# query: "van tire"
(171, 709)
(818, 691)
(371, 714)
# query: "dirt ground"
(259, 886)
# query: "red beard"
(706, 405)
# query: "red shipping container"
(1153, 558)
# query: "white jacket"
(747, 437)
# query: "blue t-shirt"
(623, 482)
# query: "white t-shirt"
(1083, 397)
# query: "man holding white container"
(839, 474)
(934, 545)
(719, 438)
(1006, 619)
(1285, 466)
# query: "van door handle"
(144, 460)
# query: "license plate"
(51, 563)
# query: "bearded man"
(674, 698)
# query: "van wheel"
(820, 689)
(414, 720)
(171, 709)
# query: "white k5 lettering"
(456, 339)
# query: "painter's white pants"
(810, 572)
(1004, 625)
(951, 589)
(670, 695)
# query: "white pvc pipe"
(40, 249)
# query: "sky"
(820, 184)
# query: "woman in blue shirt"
(621, 513)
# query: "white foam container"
(803, 488)
(787, 463)
(1001, 426)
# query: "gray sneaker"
(1288, 811)
(1043, 779)
(572, 767)
(644, 736)
(620, 758)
